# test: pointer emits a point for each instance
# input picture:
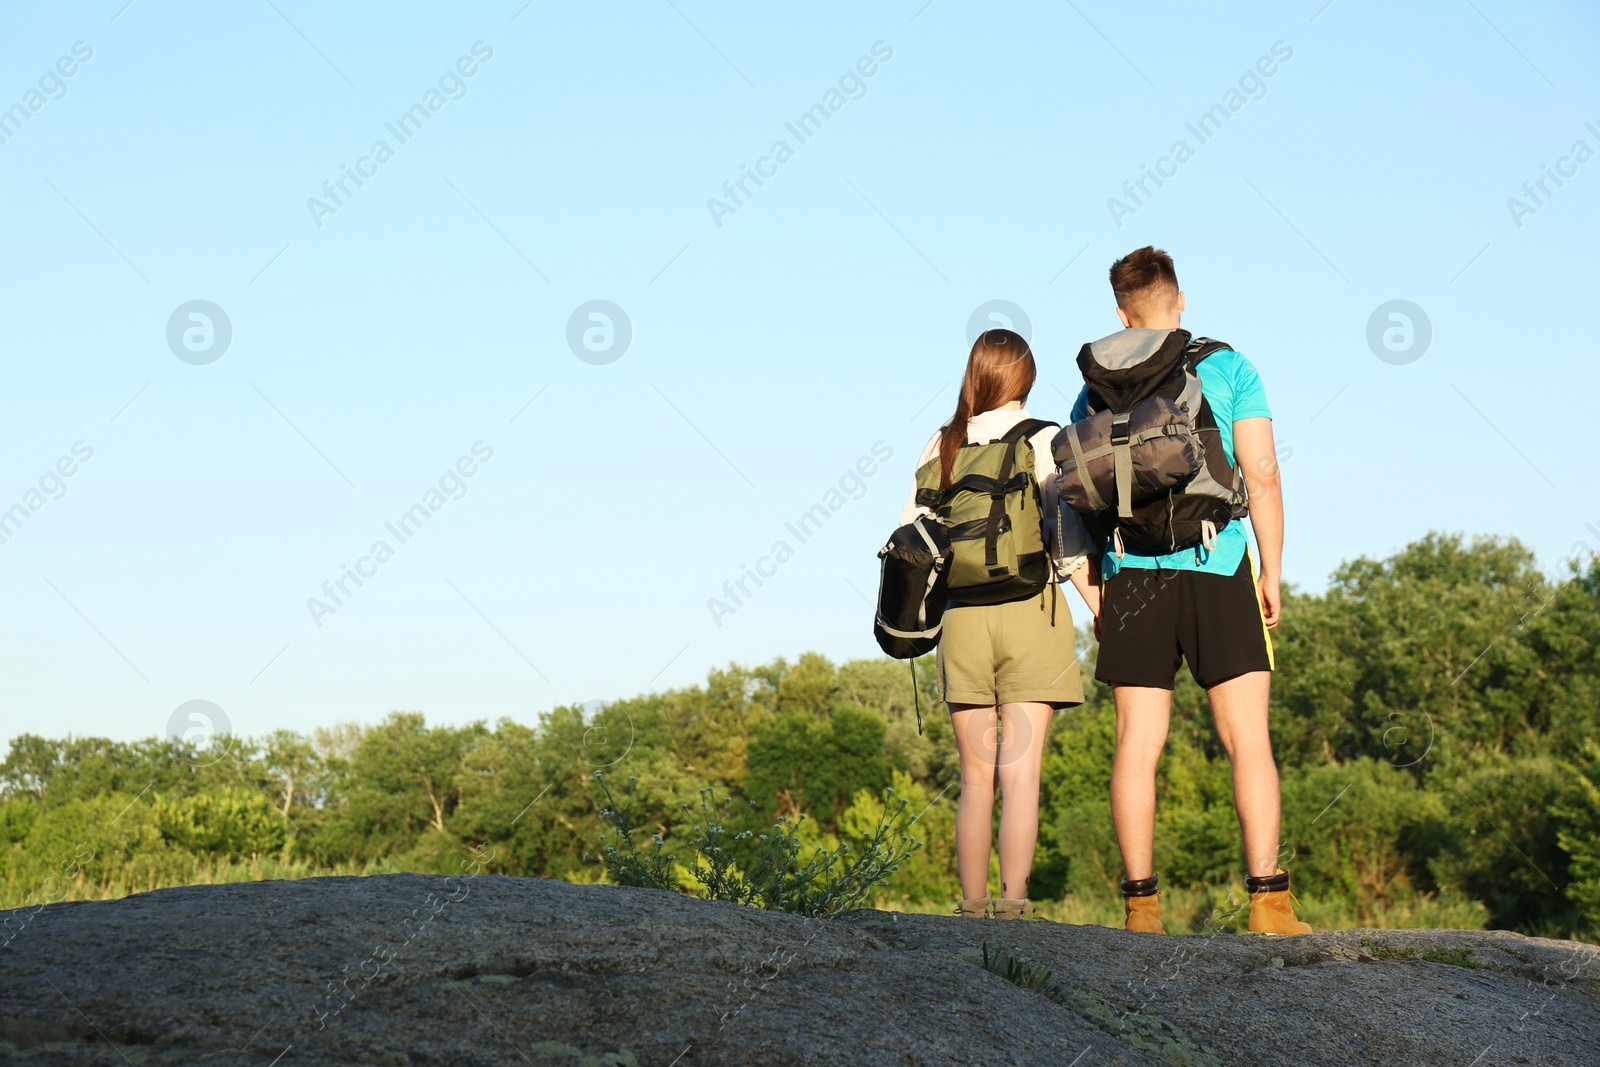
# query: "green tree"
(1580, 838)
(1503, 837)
(815, 763)
(885, 685)
(1414, 660)
(403, 779)
(1561, 671)
(296, 771)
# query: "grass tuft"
(1014, 969)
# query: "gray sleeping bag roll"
(1163, 453)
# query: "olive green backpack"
(994, 515)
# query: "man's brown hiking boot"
(1143, 905)
(1006, 908)
(975, 908)
(1271, 906)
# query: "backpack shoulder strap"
(1197, 350)
(997, 499)
(1026, 429)
(1201, 347)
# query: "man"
(1208, 604)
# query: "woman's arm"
(1086, 580)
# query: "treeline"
(1434, 718)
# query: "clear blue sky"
(376, 338)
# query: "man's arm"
(1258, 461)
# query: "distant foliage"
(1435, 717)
(1579, 835)
(233, 822)
(815, 763)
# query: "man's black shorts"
(1150, 620)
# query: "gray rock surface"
(414, 969)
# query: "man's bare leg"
(1239, 707)
(1142, 717)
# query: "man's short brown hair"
(1141, 275)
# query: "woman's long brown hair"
(999, 370)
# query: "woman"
(1006, 657)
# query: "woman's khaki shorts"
(1010, 653)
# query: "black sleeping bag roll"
(912, 589)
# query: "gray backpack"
(1146, 468)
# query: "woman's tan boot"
(1272, 908)
(1006, 908)
(1142, 905)
(974, 909)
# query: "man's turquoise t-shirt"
(1233, 389)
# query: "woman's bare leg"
(976, 730)
(1021, 753)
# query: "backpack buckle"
(1119, 428)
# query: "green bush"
(1197, 829)
(90, 840)
(1580, 837)
(1504, 842)
(1363, 832)
(769, 871)
(929, 873)
(230, 823)
(1077, 848)
(625, 863)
